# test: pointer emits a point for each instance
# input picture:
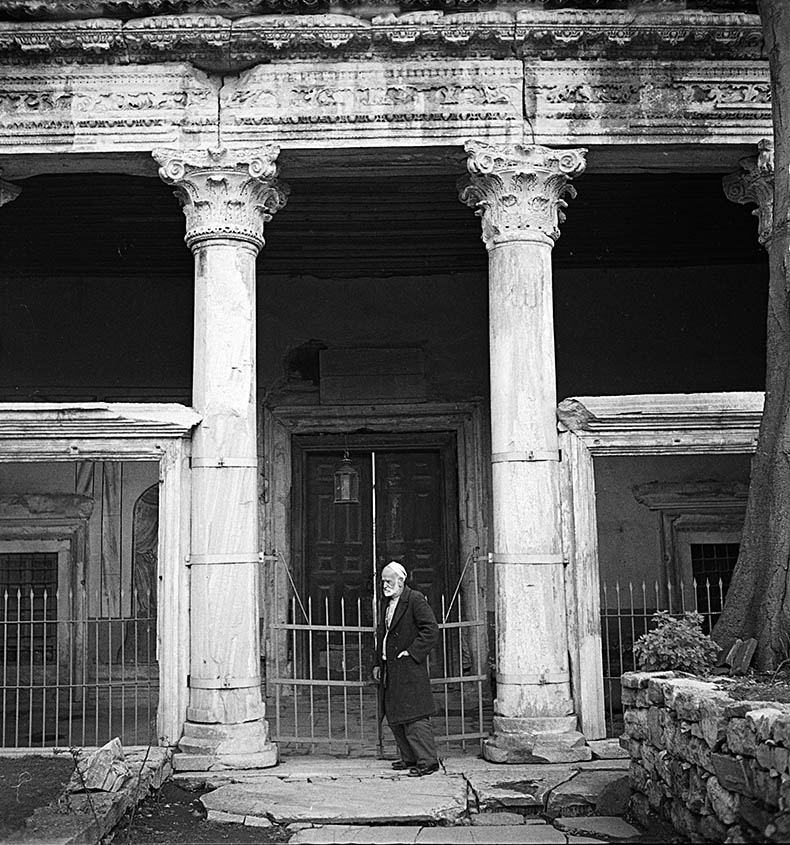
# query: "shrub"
(676, 644)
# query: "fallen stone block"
(103, 770)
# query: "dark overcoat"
(405, 687)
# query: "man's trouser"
(415, 742)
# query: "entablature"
(131, 109)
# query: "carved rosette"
(754, 183)
(519, 191)
(225, 195)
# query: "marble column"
(518, 192)
(226, 198)
(754, 183)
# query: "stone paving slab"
(436, 798)
(608, 827)
(515, 834)
(603, 792)
(518, 787)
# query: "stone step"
(435, 799)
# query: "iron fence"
(627, 612)
(323, 694)
(68, 679)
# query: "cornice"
(671, 423)
(129, 9)
(215, 42)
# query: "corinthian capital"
(519, 191)
(754, 183)
(224, 194)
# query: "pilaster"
(227, 198)
(519, 193)
(754, 183)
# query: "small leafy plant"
(676, 644)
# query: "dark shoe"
(400, 766)
(421, 771)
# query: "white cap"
(396, 567)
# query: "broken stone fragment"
(103, 770)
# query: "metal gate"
(67, 679)
(323, 696)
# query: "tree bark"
(758, 600)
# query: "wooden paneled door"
(407, 511)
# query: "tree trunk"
(758, 600)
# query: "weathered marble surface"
(431, 101)
(430, 799)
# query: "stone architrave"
(226, 198)
(518, 192)
(754, 183)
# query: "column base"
(536, 740)
(215, 746)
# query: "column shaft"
(226, 200)
(518, 192)
(532, 651)
(224, 661)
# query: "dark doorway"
(407, 511)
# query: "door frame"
(282, 425)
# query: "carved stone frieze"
(126, 108)
(215, 41)
(407, 100)
(224, 194)
(650, 99)
(519, 191)
(104, 108)
(754, 183)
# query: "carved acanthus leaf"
(754, 183)
(519, 191)
(224, 194)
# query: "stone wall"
(714, 767)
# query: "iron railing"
(322, 691)
(73, 680)
(627, 612)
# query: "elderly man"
(407, 633)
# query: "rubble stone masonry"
(716, 768)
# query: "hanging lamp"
(346, 483)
